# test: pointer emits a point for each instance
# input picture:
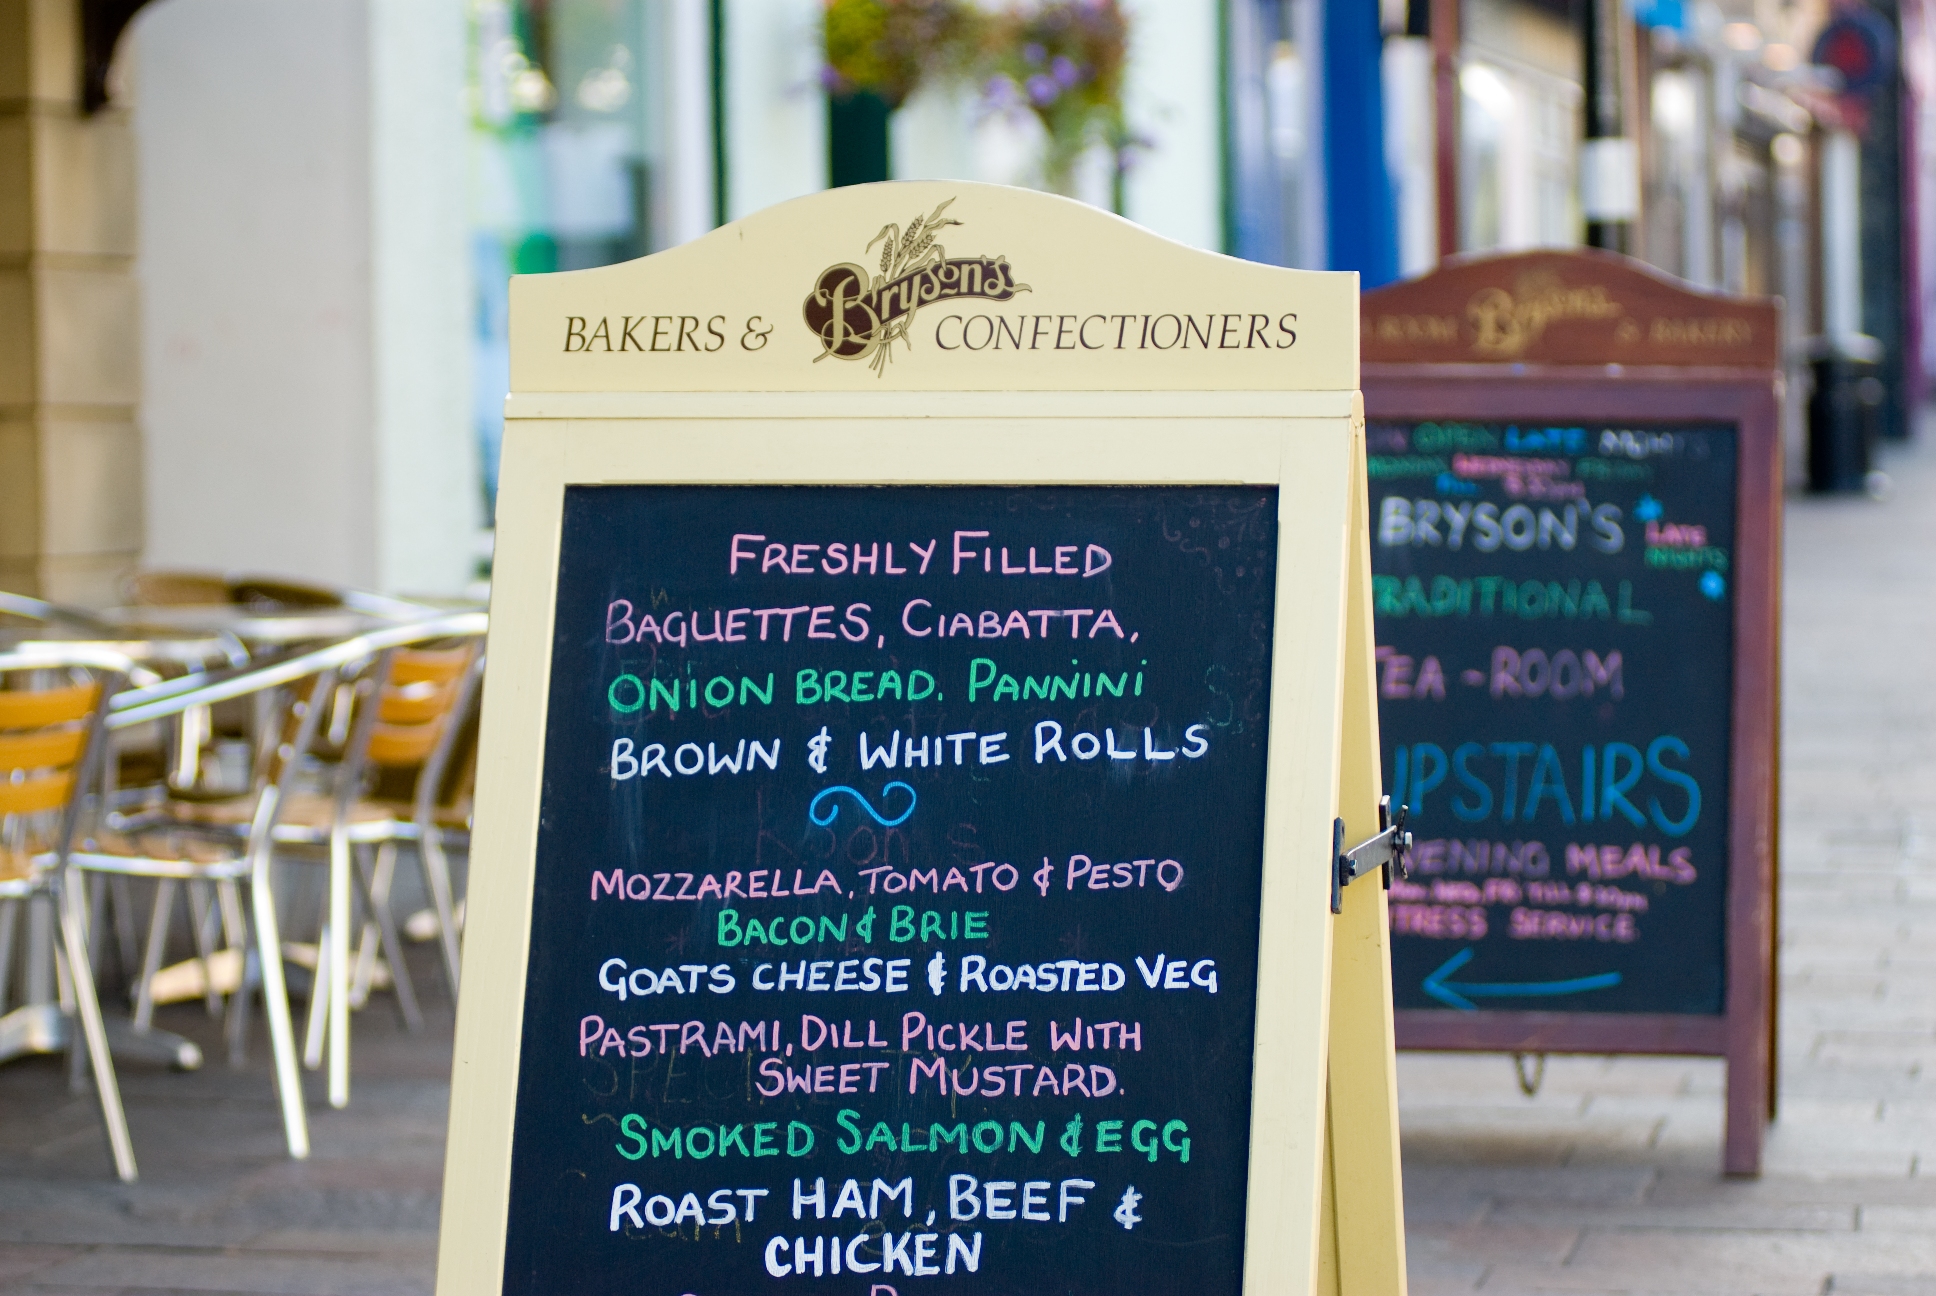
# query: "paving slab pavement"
(219, 1208)
(1607, 1181)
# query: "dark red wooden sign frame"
(1585, 335)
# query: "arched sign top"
(1577, 306)
(934, 286)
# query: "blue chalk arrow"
(1461, 997)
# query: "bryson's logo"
(1505, 324)
(857, 316)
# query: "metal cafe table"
(279, 628)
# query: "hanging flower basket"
(1063, 62)
(888, 47)
(1060, 61)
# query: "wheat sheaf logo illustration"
(857, 316)
(1505, 323)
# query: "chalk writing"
(1555, 683)
(899, 860)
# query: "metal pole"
(1609, 163)
(1445, 119)
(1841, 236)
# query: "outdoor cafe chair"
(135, 765)
(150, 844)
(401, 761)
(390, 718)
(51, 749)
(406, 715)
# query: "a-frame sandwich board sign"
(930, 652)
(1628, 908)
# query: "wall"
(300, 419)
(1173, 97)
(776, 118)
(687, 203)
(70, 503)
(429, 503)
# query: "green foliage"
(1060, 60)
(1063, 61)
(887, 47)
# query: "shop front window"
(564, 137)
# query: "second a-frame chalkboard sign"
(1576, 503)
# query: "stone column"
(304, 272)
(70, 455)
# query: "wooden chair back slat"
(415, 702)
(34, 795)
(38, 708)
(42, 735)
(402, 744)
(434, 665)
(405, 706)
(40, 749)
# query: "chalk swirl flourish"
(833, 811)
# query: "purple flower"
(1000, 93)
(1042, 90)
(1065, 72)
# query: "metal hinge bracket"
(1386, 850)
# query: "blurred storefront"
(1237, 133)
(320, 204)
(1702, 139)
(567, 157)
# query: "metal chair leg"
(77, 1054)
(127, 942)
(144, 995)
(235, 924)
(237, 1025)
(376, 895)
(235, 935)
(63, 983)
(318, 1004)
(275, 1000)
(9, 923)
(339, 968)
(97, 910)
(368, 939)
(200, 910)
(94, 1035)
(436, 872)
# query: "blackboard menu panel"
(898, 873)
(1554, 608)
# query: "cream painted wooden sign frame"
(766, 353)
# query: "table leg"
(43, 1028)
